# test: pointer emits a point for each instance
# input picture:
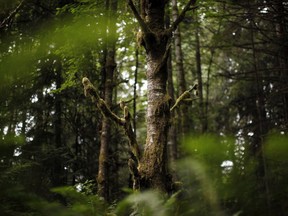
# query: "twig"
(184, 96)
(7, 19)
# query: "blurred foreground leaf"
(276, 148)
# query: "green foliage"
(80, 203)
(209, 148)
(206, 187)
(13, 196)
(9, 143)
(148, 203)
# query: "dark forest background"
(227, 142)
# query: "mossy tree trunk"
(155, 39)
(153, 165)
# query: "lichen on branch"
(184, 96)
(90, 90)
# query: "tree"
(153, 165)
(150, 171)
(179, 69)
(108, 74)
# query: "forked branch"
(141, 22)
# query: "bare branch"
(182, 15)
(131, 135)
(11, 15)
(141, 22)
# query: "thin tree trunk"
(110, 65)
(172, 136)
(135, 89)
(260, 118)
(184, 111)
(206, 109)
(281, 34)
(199, 77)
(58, 172)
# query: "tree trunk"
(172, 136)
(154, 38)
(261, 128)
(58, 177)
(281, 35)
(135, 88)
(199, 77)
(184, 111)
(110, 65)
(153, 165)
